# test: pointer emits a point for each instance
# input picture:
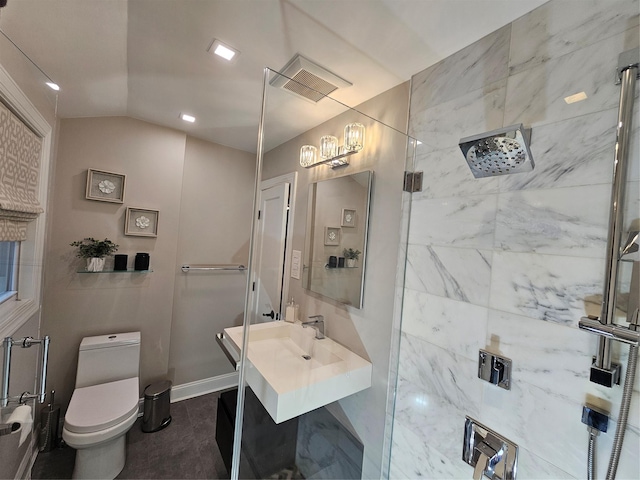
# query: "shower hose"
(591, 462)
(625, 405)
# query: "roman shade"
(20, 151)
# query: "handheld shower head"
(498, 152)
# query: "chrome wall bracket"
(605, 377)
(494, 369)
(626, 60)
(491, 454)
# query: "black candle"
(120, 262)
(142, 261)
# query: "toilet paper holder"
(8, 343)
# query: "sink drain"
(306, 357)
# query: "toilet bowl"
(103, 406)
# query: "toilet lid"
(101, 406)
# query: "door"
(270, 251)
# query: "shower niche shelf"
(118, 271)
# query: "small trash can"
(157, 398)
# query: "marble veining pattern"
(561, 221)
(531, 416)
(454, 221)
(552, 288)
(536, 96)
(451, 176)
(443, 125)
(555, 358)
(440, 372)
(431, 417)
(542, 232)
(574, 152)
(463, 71)
(455, 326)
(414, 458)
(557, 28)
(459, 273)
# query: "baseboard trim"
(202, 387)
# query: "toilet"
(104, 404)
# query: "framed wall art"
(348, 217)
(105, 186)
(141, 222)
(332, 235)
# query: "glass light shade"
(308, 155)
(354, 137)
(328, 147)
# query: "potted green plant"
(351, 256)
(94, 252)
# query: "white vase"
(351, 262)
(95, 264)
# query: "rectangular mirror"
(336, 237)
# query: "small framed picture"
(332, 235)
(348, 217)
(105, 186)
(141, 222)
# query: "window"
(8, 269)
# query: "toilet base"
(104, 461)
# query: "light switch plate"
(296, 256)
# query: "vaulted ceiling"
(148, 59)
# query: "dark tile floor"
(185, 449)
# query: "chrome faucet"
(317, 323)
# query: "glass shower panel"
(314, 398)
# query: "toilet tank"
(107, 358)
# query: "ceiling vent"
(307, 79)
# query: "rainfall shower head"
(499, 152)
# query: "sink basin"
(292, 372)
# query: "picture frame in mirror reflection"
(331, 236)
(105, 186)
(348, 218)
(141, 222)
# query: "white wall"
(512, 263)
(154, 160)
(215, 224)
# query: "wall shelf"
(118, 271)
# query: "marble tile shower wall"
(511, 263)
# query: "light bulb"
(308, 155)
(328, 147)
(354, 137)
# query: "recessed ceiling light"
(53, 86)
(578, 97)
(187, 118)
(223, 50)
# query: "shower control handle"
(271, 314)
(494, 369)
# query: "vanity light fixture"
(187, 118)
(53, 86)
(331, 153)
(223, 50)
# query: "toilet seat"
(100, 407)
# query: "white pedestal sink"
(292, 373)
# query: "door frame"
(292, 179)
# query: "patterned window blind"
(20, 151)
